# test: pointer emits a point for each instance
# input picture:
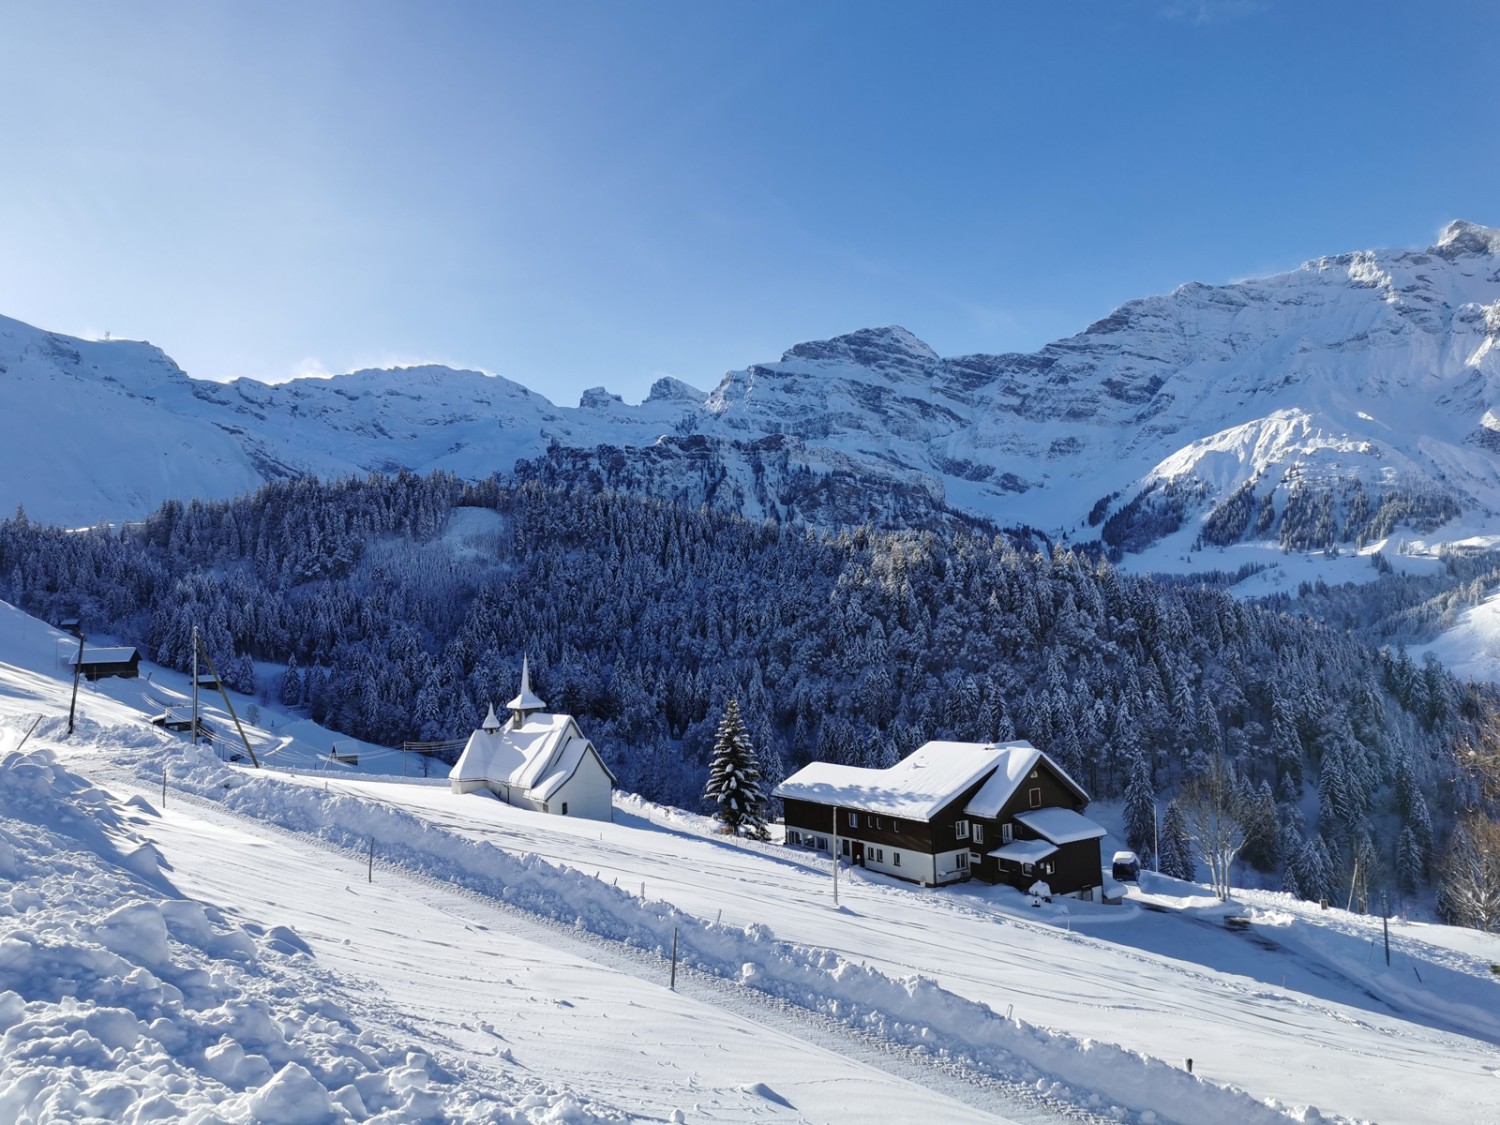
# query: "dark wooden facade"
(98, 664)
(920, 851)
(1072, 868)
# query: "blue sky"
(573, 194)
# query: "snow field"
(913, 1011)
(121, 1001)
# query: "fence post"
(674, 959)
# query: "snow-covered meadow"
(231, 953)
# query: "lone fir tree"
(734, 778)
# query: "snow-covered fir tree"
(1176, 845)
(734, 784)
(1140, 808)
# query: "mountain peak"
(869, 347)
(1461, 238)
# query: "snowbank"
(913, 1011)
(121, 1001)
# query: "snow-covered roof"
(537, 756)
(103, 655)
(1061, 826)
(915, 788)
(1024, 851)
(1017, 759)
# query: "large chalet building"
(998, 812)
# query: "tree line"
(645, 618)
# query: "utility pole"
(77, 671)
(1385, 924)
(195, 687)
(835, 857)
(1155, 839)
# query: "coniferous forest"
(644, 619)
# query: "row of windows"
(966, 830)
(807, 840)
(873, 821)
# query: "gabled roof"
(915, 788)
(1061, 826)
(1016, 761)
(537, 756)
(1024, 851)
(104, 655)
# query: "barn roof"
(104, 655)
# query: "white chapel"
(536, 760)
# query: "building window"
(1007, 832)
(961, 861)
(879, 854)
(846, 847)
(979, 833)
(961, 829)
(565, 808)
(896, 858)
(877, 822)
(973, 857)
(793, 837)
(1034, 775)
(1049, 868)
(1025, 869)
(854, 820)
(1035, 795)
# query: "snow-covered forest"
(644, 619)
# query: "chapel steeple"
(526, 703)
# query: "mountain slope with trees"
(645, 619)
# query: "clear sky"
(573, 194)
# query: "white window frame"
(961, 861)
(1007, 832)
(978, 833)
(854, 820)
(895, 859)
(1035, 797)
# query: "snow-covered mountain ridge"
(1335, 402)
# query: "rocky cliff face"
(1349, 396)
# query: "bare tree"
(1209, 811)
(1470, 890)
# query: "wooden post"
(77, 671)
(370, 875)
(214, 672)
(34, 723)
(195, 687)
(674, 958)
(835, 857)
(164, 787)
(1385, 924)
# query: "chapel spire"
(527, 702)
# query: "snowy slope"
(506, 963)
